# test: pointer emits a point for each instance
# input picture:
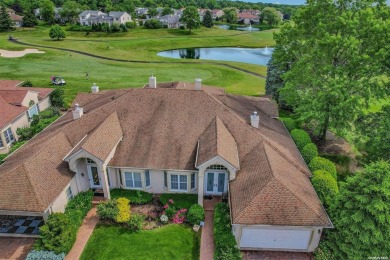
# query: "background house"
(16, 19)
(18, 105)
(90, 17)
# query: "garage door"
(274, 238)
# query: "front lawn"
(168, 242)
(180, 201)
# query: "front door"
(94, 177)
(216, 182)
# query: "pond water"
(248, 28)
(258, 56)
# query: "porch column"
(200, 186)
(104, 180)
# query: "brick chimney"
(255, 120)
(77, 112)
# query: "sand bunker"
(16, 54)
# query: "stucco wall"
(31, 95)
(20, 122)
(61, 201)
(44, 103)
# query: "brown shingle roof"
(14, 96)
(217, 141)
(9, 112)
(13, 85)
(161, 129)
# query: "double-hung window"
(193, 181)
(147, 178)
(133, 180)
(9, 136)
(178, 182)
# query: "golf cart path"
(138, 61)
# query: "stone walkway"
(207, 240)
(83, 235)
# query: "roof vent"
(255, 120)
(77, 112)
(152, 82)
(198, 83)
(94, 88)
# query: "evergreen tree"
(208, 19)
(5, 20)
(361, 215)
(29, 18)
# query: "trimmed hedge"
(289, 123)
(325, 185)
(135, 196)
(309, 152)
(320, 163)
(225, 243)
(180, 200)
(108, 209)
(195, 214)
(39, 255)
(300, 137)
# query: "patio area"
(20, 225)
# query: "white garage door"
(275, 238)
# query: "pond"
(248, 28)
(258, 56)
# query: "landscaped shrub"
(195, 214)
(300, 137)
(123, 205)
(47, 255)
(58, 234)
(325, 186)
(131, 25)
(309, 152)
(180, 216)
(49, 113)
(169, 209)
(153, 24)
(319, 163)
(27, 83)
(289, 123)
(136, 222)
(135, 196)
(108, 209)
(57, 97)
(181, 200)
(82, 202)
(224, 241)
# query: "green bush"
(319, 163)
(135, 196)
(82, 202)
(57, 97)
(49, 113)
(300, 137)
(180, 200)
(76, 218)
(325, 186)
(136, 222)
(123, 206)
(108, 209)
(131, 25)
(224, 241)
(27, 83)
(170, 211)
(289, 123)
(153, 24)
(195, 214)
(309, 152)
(57, 234)
(48, 255)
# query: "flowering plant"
(180, 216)
(164, 218)
(170, 201)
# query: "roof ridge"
(27, 173)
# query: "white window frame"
(8, 134)
(1, 142)
(179, 182)
(193, 182)
(31, 115)
(69, 193)
(147, 176)
(133, 180)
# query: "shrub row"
(135, 196)
(59, 232)
(300, 137)
(225, 243)
(184, 201)
(195, 214)
(325, 185)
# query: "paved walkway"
(207, 242)
(83, 235)
(15, 247)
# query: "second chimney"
(77, 112)
(94, 88)
(198, 83)
(255, 120)
(152, 82)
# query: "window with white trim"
(69, 194)
(133, 180)
(216, 167)
(165, 179)
(193, 181)
(9, 136)
(178, 182)
(147, 178)
(1, 142)
(32, 111)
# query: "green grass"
(168, 242)
(138, 44)
(181, 201)
(135, 196)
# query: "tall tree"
(47, 11)
(29, 18)
(56, 32)
(361, 214)
(167, 11)
(5, 20)
(208, 19)
(70, 11)
(230, 15)
(271, 16)
(191, 18)
(338, 57)
(152, 12)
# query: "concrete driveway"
(15, 247)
